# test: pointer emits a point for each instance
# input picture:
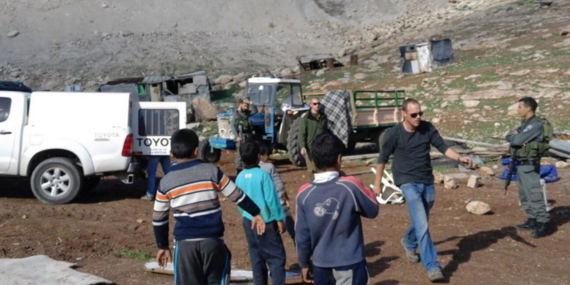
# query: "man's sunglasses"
(415, 115)
(315, 104)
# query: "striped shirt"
(190, 191)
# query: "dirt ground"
(472, 249)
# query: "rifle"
(511, 169)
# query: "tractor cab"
(279, 93)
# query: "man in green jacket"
(309, 127)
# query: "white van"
(65, 141)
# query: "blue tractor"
(279, 103)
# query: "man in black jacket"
(410, 142)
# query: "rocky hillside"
(504, 50)
(47, 43)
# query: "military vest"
(538, 147)
(242, 118)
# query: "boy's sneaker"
(147, 197)
(435, 274)
(410, 254)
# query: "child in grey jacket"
(283, 197)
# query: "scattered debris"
(140, 221)
(317, 61)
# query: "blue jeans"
(420, 198)
(151, 171)
(265, 250)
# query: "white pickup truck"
(65, 141)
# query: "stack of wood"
(482, 150)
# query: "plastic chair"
(397, 197)
(543, 188)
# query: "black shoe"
(540, 230)
(530, 224)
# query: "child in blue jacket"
(265, 250)
(328, 231)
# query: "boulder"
(286, 72)
(239, 77)
(449, 183)
(231, 85)
(223, 79)
(321, 72)
(438, 177)
(13, 34)
(359, 76)
(486, 171)
(204, 109)
(561, 164)
(474, 181)
(478, 207)
(470, 103)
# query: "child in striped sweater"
(190, 190)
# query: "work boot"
(410, 254)
(530, 224)
(435, 274)
(540, 230)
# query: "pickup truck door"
(12, 117)
(153, 125)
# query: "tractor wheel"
(207, 154)
(293, 144)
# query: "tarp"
(40, 269)
(547, 172)
(336, 106)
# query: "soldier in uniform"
(241, 127)
(524, 139)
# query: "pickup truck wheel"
(207, 154)
(293, 144)
(56, 181)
